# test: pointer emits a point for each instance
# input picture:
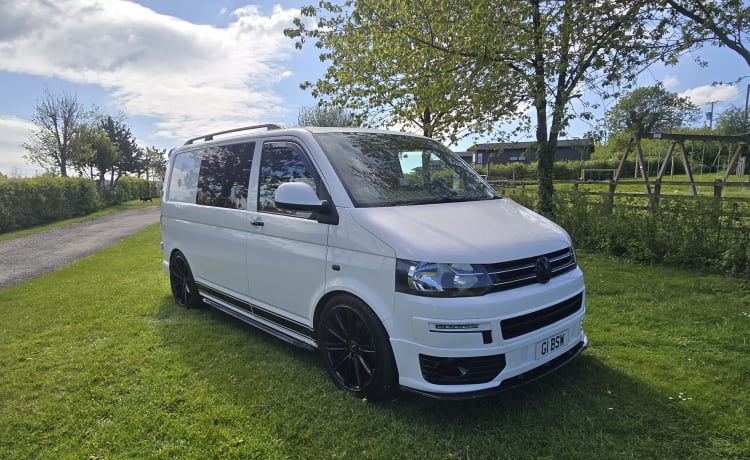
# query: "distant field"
(98, 362)
(675, 185)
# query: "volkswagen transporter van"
(384, 251)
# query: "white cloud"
(15, 132)
(707, 94)
(191, 78)
(670, 82)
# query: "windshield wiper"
(442, 199)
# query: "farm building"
(525, 152)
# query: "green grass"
(96, 361)
(629, 184)
(106, 211)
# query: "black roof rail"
(210, 137)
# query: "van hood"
(488, 231)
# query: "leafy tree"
(700, 22)
(322, 115)
(56, 117)
(460, 63)
(573, 45)
(97, 155)
(732, 121)
(157, 162)
(389, 64)
(83, 152)
(132, 159)
(651, 108)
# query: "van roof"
(274, 127)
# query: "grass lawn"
(636, 185)
(97, 362)
(630, 184)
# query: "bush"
(41, 200)
(695, 232)
(29, 202)
(571, 170)
(132, 188)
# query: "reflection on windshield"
(388, 169)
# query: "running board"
(257, 324)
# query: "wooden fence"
(718, 187)
(739, 209)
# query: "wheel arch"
(174, 251)
(319, 308)
(330, 294)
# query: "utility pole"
(747, 97)
(710, 116)
(745, 125)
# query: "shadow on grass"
(585, 410)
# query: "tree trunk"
(545, 161)
(427, 129)
(545, 156)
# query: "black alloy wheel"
(181, 279)
(355, 349)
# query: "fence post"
(718, 184)
(657, 190)
(609, 200)
(716, 214)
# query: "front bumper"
(512, 382)
(471, 347)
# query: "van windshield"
(387, 169)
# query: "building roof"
(525, 145)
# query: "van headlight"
(441, 280)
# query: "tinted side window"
(183, 181)
(282, 162)
(225, 175)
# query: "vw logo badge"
(542, 270)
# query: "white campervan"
(384, 251)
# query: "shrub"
(696, 232)
(28, 202)
(132, 188)
(40, 200)
(571, 170)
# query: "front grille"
(514, 327)
(461, 371)
(521, 272)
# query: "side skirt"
(245, 315)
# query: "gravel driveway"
(22, 259)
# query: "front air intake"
(461, 371)
(520, 325)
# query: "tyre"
(183, 285)
(355, 349)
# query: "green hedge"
(29, 202)
(695, 232)
(133, 188)
(571, 170)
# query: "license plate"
(549, 345)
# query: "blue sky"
(181, 68)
